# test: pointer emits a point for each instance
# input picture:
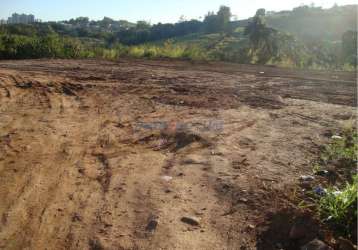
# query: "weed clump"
(339, 208)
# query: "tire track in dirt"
(79, 171)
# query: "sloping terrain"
(116, 155)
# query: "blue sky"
(149, 10)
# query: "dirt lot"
(113, 155)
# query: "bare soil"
(113, 155)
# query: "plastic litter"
(320, 191)
(306, 178)
(337, 137)
(322, 172)
(167, 178)
(336, 193)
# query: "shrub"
(136, 51)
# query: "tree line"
(252, 41)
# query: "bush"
(136, 51)
(50, 46)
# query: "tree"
(349, 47)
(219, 22)
(50, 46)
(261, 12)
(143, 25)
(106, 22)
(211, 23)
(256, 30)
(82, 21)
(223, 18)
(264, 42)
(182, 19)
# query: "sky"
(153, 11)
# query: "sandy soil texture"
(142, 154)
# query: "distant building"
(21, 18)
(2, 21)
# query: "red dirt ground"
(112, 155)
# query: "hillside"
(312, 23)
(316, 23)
(306, 37)
(304, 22)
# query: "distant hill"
(312, 23)
(307, 36)
(305, 22)
(316, 23)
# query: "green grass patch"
(339, 208)
(343, 148)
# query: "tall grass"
(201, 47)
(168, 50)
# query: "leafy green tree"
(82, 21)
(223, 19)
(349, 47)
(264, 43)
(261, 12)
(256, 31)
(9, 50)
(219, 22)
(143, 25)
(50, 47)
(106, 22)
(211, 23)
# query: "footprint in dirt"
(247, 143)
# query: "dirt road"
(113, 155)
